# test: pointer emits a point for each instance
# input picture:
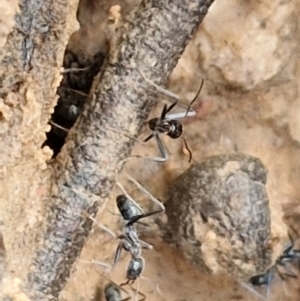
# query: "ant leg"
(164, 154)
(158, 159)
(143, 296)
(138, 217)
(162, 149)
(145, 245)
(124, 133)
(128, 196)
(138, 292)
(167, 110)
(157, 288)
(181, 115)
(252, 290)
(120, 245)
(160, 120)
(284, 272)
(269, 280)
(101, 263)
(68, 70)
(125, 283)
(288, 252)
(164, 157)
(146, 192)
(58, 126)
(113, 290)
(188, 149)
(161, 90)
(189, 108)
(162, 117)
(296, 253)
(149, 137)
(155, 159)
(75, 91)
(102, 227)
(118, 251)
(188, 113)
(292, 239)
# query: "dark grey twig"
(84, 170)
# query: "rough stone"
(218, 213)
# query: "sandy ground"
(167, 275)
(166, 266)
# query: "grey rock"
(218, 214)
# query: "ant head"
(153, 123)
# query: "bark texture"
(84, 170)
(30, 67)
(30, 73)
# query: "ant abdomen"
(135, 268)
(175, 130)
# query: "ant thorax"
(133, 249)
(131, 234)
(161, 126)
(172, 128)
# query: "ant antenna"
(195, 98)
(188, 149)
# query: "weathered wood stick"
(153, 42)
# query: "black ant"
(289, 255)
(170, 124)
(134, 270)
(129, 240)
(112, 292)
(132, 213)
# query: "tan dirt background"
(247, 53)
